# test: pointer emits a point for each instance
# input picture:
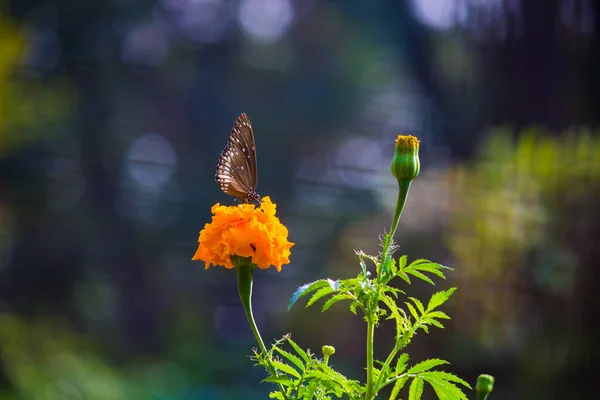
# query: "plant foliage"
(304, 376)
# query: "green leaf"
(280, 379)
(310, 391)
(438, 314)
(416, 389)
(335, 299)
(446, 390)
(307, 288)
(295, 360)
(402, 262)
(419, 275)
(298, 350)
(432, 268)
(285, 368)
(397, 387)
(426, 365)
(403, 275)
(413, 311)
(418, 304)
(391, 264)
(401, 363)
(434, 323)
(439, 298)
(446, 376)
(353, 306)
(318, 294)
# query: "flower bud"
(484, 386)
(405, 167)
(328, 350)
(405, 164)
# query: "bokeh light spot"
(436, 14)
(145, 45)
(204, 21)
(151, 161)
(265, 20)
(358, 161)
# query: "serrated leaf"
(439, 298)
(446, 390)
(438, 314)
(310, 391)
(276, 395)
(324, 291)
(412, 310)
(403, 275)
(353, 306)
(397, 387)
(426, 365)
(435, 323)
(292, 358)
(280, 379)
(419, 275)
(288, 369)
(418, 304)
(334, 299)
(393, 266)
(402, 262)
(334, 284)
(446, 376)
(419, 261)
(305, 289)
(416, 389)
(299, 350)
(401, 363)
(432, 268)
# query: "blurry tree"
(524, 223)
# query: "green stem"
(370, 336)
(403, 188)
(244, 269)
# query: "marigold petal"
(244, 230)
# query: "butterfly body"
(237, 170)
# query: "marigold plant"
(246, 231)
(245, 236)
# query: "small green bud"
(484, 386)
(405, 164)
(405, 167)
(328, 350)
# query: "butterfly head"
(252, 197)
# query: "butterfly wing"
(236, 171)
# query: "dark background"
(112, 117)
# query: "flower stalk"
(370, 394)
(405, 167)
(244, 270)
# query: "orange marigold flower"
(247, 231)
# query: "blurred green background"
(112, 117)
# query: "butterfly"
(236, 170)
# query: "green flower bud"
(405, 164)
(405, 167)
(484, 386)
(328, 350)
